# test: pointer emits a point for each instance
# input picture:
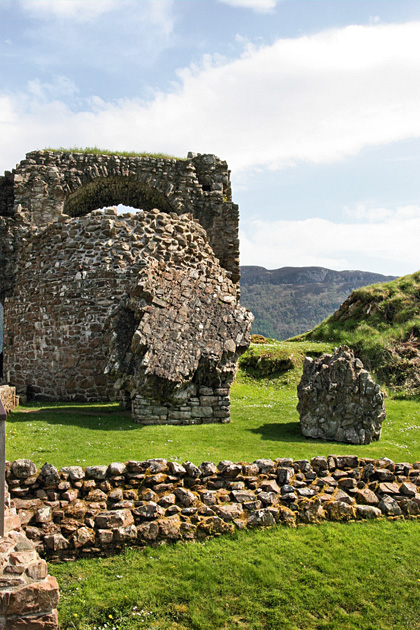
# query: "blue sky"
(315, 105)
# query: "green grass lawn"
(265, 423)
(332, 576)
(356, 576)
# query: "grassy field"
(265, 423)
(356, 576)
(333, 576)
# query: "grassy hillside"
(292, 300)
(382, 323)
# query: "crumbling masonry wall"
(48, 184)
(148, 287)
(158, 289)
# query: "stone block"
(338, 400)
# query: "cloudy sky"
(315, 104)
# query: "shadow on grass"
(280, 432)
(96, 417)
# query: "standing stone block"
(339, 400)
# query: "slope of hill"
(382, 324)
(292, 300)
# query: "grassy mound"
(381, 323)
(279, 360)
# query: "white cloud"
(388, 246)
(318, 98)
(79, 10)
(260, 6)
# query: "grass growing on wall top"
(98, 151)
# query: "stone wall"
(99, 509)
(65, 278)
(147, 286)
(48, 184)
(28, 595)
(8, 397)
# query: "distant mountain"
(292, 300)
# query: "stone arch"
(109, 191)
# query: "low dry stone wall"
(339, 400)
(99, 509)
(8, 397)
(28, 595)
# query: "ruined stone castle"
(141, 305)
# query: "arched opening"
(111, 191)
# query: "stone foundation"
(203, 406)
(8, 397)
(100, 509)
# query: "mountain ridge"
(289, 301)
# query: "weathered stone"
(241, 496)
(264, 465)
(126, 534)
(389, 488)
(113, 519)
(148, 531)
(96, 472)
(192, 470)
(157, 285)
(389, 506)
(49, 474)
(366, 497)
(149, 510)
(56, 542)
(83, 537)
(74, 472)
(23, 468)
(208, 468)
(409, 489)
(170, 527)
(270, 486)
(33, 598)
(339, 511)
(115, 469)
(186, 497)
(157, 465)
(319, 463)
(229, 511)
(261, 518)
(368, 511)
(338, 399)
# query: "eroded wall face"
(69, 277)
(145, 288)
